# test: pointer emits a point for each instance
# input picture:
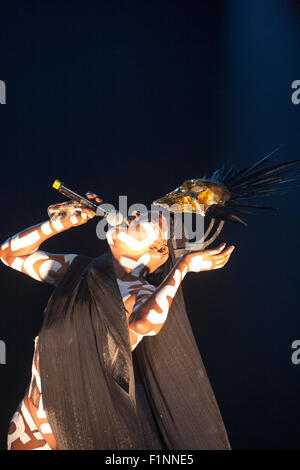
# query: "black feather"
(255, 206)
(263, 172)
(222, 213)
(260, 179)
(234, 174)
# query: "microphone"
(113, 218)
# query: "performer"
(115, 364)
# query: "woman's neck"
(128, 269)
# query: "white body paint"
(73, 219)
(137, 245)
(132, 264)
(17, 243)
(197, 263)
(58, 226)
(138, 288)
(48, 266)
(17, 264)
(31, 260)
(46, 229)
(161, 299)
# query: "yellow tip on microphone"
(57, 184)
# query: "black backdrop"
(131, 98)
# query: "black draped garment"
(97, 394)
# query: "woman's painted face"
(142, 240)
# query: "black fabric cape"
(99, 395)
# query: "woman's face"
(142, 240)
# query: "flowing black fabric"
(99, 395)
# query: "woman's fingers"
(228, 251)
(90, 195)
(86, 213)
(223, 254)
(221, 260)
(205, 261)
(217, 250)
(94, 197)
(217, 257)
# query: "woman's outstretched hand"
(208, 259)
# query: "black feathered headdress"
(229, 192)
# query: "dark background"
(126, 97)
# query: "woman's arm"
(151, 311)
(21, 251)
